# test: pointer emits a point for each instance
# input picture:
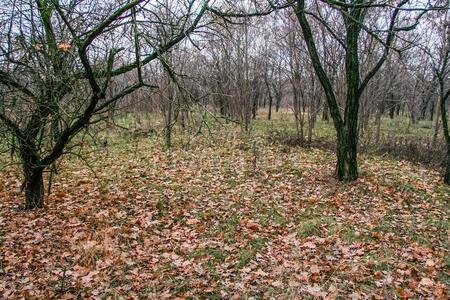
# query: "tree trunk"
(255, 106)
(269, 115)
(436, 126)
(296, 107)
(443, 100)
(168, 125)
(34, 189)
(347, 129)
(392, 105)
(33, 175)
(347, 164)
(221, 106)
(278, 98)
(325, 112)
(301, 115)
(447, 169)
(378, 116)
(310, 127)
(269, 94)
(378, 125)
(168, 131)
(413, 116)
(432, 110)
(392, 112)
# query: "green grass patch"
(382, 266)
(216, 254)
(272, 214)
(163, 206)
(232, 181)
(349, 234)
(197, 191)
(443, 189)
(245, 256)
(229, 227)
(312, 226)
(444, 274)
(258, 244)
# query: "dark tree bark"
(433, 104)
(269, 94)
(347, 167)
(398, 108)
(325, 116)
(447, 168)
(392, 113)
(42, 132)
(379, 114)
(256, 96)
(33, 184)
(444, 95)
(442, 73)
(347, 125)
(269, 115)
(34, 189)
(278, 98)
(254, 107)
(347, 164)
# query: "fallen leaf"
(426, 282)
(252, 225)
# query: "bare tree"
(356, 16)
(438, 50)
(59, 60)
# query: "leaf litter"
(217, 222)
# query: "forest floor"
(231, 217)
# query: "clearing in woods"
(231, 216)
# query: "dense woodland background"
(165, 148)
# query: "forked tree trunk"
(347, 124)
(346, 127)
